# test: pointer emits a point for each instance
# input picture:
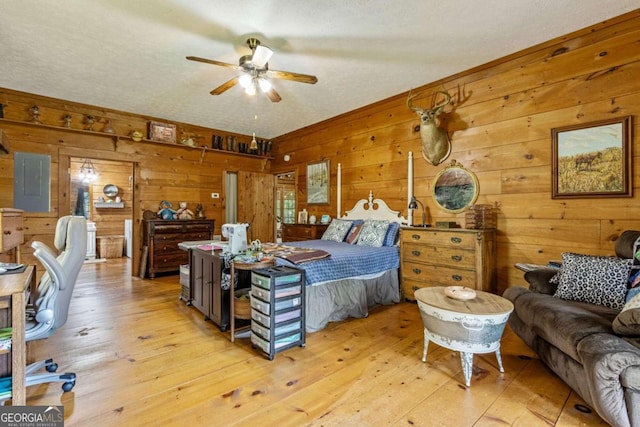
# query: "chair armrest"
(539, 280)
(610, 365)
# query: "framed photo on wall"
(318, 185)
(592, 159)
(164, 132)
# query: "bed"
(348, 279)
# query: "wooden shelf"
(117, 138)
(109, 205)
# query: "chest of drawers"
(12, 232)
(447, 257)
(297, 232)
(162, 238)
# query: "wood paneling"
(172, 172)
(500, 124)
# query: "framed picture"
(303, 217)
(164, 132)
(326, 219)
(592, 160)
(318, 183)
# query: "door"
(285, 201)
(255, 194)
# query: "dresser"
(447, 257)
(297, 232)
(162, 237)
(12, 235)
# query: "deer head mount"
(436, 145)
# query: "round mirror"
(455, 188)
(110, 190)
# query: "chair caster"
(68, 386)
(52, 367)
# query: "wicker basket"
(111, 246)
(242, 304)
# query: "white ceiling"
(129, 55)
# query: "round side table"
(472, 326)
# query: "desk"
(12, 296)
(243, 266)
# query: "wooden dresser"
(297, 232)
(161, 237)
(447, 257)
(12, 235)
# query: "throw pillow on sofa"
(600, 280)
(627, 322)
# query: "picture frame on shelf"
(592, 160)
(303, 217)
(318, 183)
(325, 219)
(163, 132)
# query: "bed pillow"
(337, 230)
(600, 280)
(627, 322)
(353, 234)
(391, 237)
(373, 232)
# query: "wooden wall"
(159, 171)
(500, 125)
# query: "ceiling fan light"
(250, 90)
(261, 56)
(265, 85)
(245, 80)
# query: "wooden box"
(110, 246)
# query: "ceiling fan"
(256, 72)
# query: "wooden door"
(256, 204)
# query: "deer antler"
(410, 103)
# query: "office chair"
(53, 293)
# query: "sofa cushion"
(539, 280)
(547, 316)
(627, 322)
(600, 280)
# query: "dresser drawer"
(410, 286)
(435, 255)
(162, 261)
(438, 275)
(193, 235)
(12, 230)
(438, 238)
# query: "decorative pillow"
(634, 274)
(600, 280)
(352, 235)
(373, 232)
(627, 322)
(337, 230)
(392, 234)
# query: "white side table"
(470, 327)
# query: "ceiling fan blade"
(225, 86)
(261, 56)
(296, 77)
(211, 61)
(273, 95)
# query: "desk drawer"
(12, 231)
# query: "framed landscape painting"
(592, 160)
(318, 183)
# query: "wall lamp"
(413, 204)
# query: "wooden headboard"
(374, 209)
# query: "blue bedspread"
(345, 261)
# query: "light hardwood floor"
(143, 357)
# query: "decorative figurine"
(67, 120)
(90, 120)
(165, 211)
(107, 127)
(35, 114)
(200, 212)
(184, 212)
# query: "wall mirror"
(455, 188)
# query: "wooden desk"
(12, 296)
